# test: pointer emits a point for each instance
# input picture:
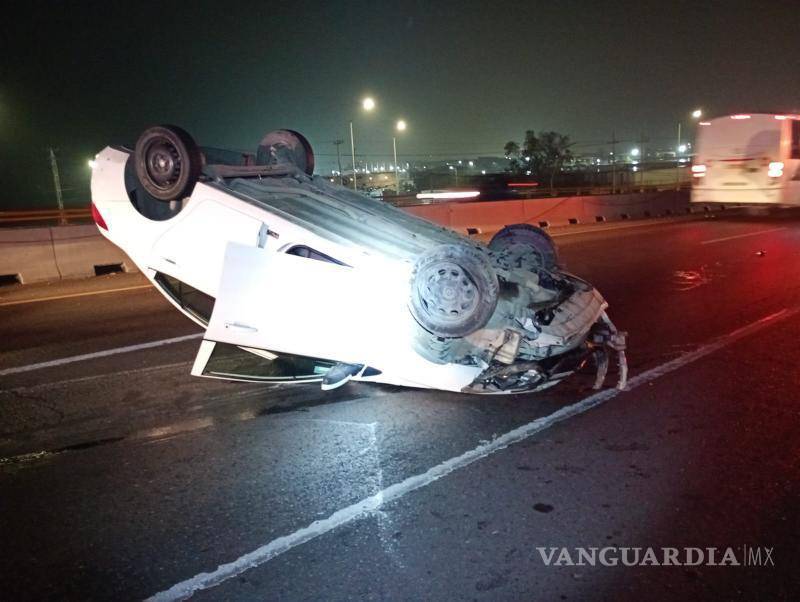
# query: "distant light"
(682, 148)
(635, 169)
(401, 125)
(634, 152)
(775, 169)
(704, 123)
(92, 163)
(697, 113)
(740, 116)
(471, 164)
(459, 161)
(368, 103)
(682, 160)
(483, 172)
(450, 167)
(465, 194)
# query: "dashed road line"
(98, 354)
(724, 238)
(73, 295)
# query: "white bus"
(751, 159)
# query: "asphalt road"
(123, 477)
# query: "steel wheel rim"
(163, 163)
(447, 291)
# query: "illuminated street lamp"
(634, 152)
(681, 148)
(455, 169)
(400, 126)
(368, 104)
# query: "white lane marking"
(267, 552)
(724, 238)
(73, 295)
(98, 354)
(81, 379)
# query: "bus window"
(795, 139)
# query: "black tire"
(286, 146)
(525, 246)
(168, 162)
(454, 290)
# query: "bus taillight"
(775, 169)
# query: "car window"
(230, 361)
(192, 300)
(308, 252)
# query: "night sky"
(467, 76)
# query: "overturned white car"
(297, 280)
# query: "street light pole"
(400, 126)
(368, 104)
(396, 169)
(353, 151)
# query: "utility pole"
(57, 185)
(338, 143)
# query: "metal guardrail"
(15, 218)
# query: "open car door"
(280, 317)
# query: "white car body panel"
(229, 242)
(349, 305)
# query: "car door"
(298, 307)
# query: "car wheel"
(168, 162)
(454, 290)
(525, 246)
(286, 146)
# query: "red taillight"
(98, 219)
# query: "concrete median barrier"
(76, 251)
(53, 253)
(554, 211)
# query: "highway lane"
(156, 476)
